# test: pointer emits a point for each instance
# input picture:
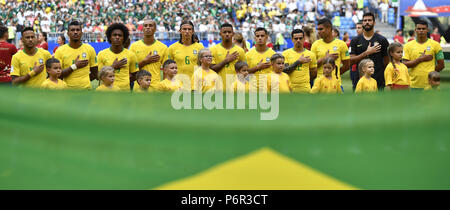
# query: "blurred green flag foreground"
(90, 140)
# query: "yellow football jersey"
(140, 90)
(254, 58)
(170, 85)
(413, 50)
(185, 56)
(239, 86)
(219, 54)
(205, 80)
(141, 50)
(102, 87)
(122, 76)
(48, 84)
(320, 49)
(78, 79)
(325, 85)
(366, 85)
(300, 79)
(22, 64)
(397, 76)
(281, 82)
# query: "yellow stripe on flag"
(264, 169)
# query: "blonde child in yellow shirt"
(396, 73)
(278, 80)
(107, 76)
(327, 83)
(366, 83)
(434, 80)
(204, 78)
(54, 72)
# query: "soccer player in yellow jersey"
(327, 83)
(122, 60)
(170, 83)
(185, 51)
(205, 79)
(258, 58)
(226, 54)
(150, 53)
(278, 80)
(54, 72)
(366, 83)
(28, 65)
(241, 83)
(78, 60)
(422, 56)
(301, 64)
(329, 47)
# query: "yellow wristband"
(32, 74)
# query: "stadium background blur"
(277, 16)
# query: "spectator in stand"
(435, 35)
(336, 33)
(238, 39)
(310, 37)
(61, 41)
(42, 39)
(384, 7)
(399, 37)
(346, 39)
(7, 50)
(411, 35)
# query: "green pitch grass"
(79, 140)
(91, 140)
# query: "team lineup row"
(298, 69)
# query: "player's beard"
(368, 28)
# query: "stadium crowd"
(52, 16)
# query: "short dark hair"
(75, 23)
(398, 30)
(226, 25)
(411, 32)
(325, 22)
(238, 65)
(120, 26)
(168, 62)
(142, 73)
(51, 61)
(261, 29)
(3, 30)
(275, 57)
(27, 29)
(369, 14)
(359, 23)
(421, 22)
(297, 31)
